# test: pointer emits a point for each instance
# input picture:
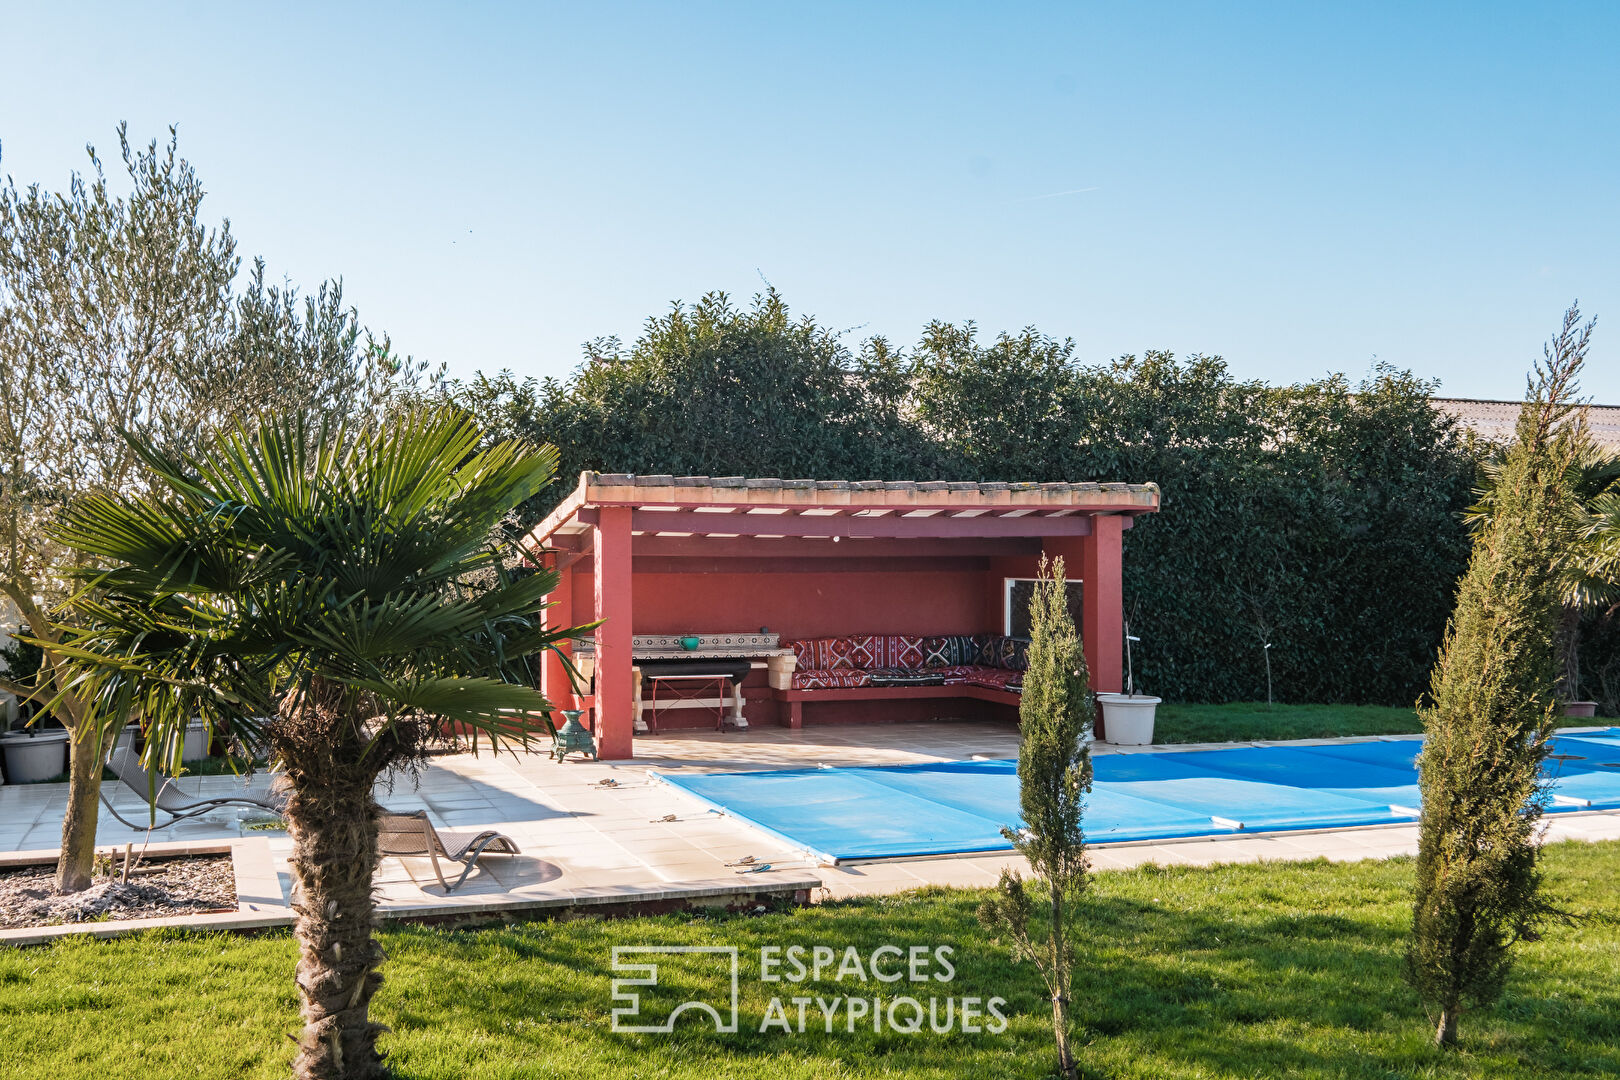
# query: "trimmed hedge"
(1320, 517)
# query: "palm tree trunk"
(1569, 645)
(333, 824)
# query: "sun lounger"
(126, 764)
(412, 836)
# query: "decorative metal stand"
(572, 737)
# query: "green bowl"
(690, 642)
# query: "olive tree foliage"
(120, 323)
(1491, 711)
(1054, 777)
(307, 355)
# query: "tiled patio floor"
(584, 841)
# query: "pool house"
(731, 602)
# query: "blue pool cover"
(956, 807)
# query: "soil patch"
(156, 888)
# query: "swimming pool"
(959, 807)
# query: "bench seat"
(893, 678)
(875, 667)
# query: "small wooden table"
(692, 681)
(745, 649)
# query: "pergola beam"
(712, 547)
(688, 521)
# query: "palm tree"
(1601, 537)
(1589, 571)
(335, 596)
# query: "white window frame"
(1007, 584)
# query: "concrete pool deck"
(586, 845)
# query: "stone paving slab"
(583, 843)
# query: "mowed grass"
(1236, 971)
(1244, 720)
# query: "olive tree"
(119, 316)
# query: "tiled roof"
(1495, 420)
(824, 500)
(748, 483)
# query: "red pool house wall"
(649, 573)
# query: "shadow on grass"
(1168, 986)
(1273, 970)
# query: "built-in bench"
(986, 667)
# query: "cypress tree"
(1491, 712)
(1054, 776)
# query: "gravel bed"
(156, 888)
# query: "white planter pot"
(1128, 718)
(196, 745)
(31, 758)
(126, 738)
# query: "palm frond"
(287, 553)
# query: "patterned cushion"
(996, 679)
(902, 676)
(860, 652)
(842, 652)
(1013, 653)
(830, 679)
(956, 674)
(954, 658)
(906, 652)
(950, 651)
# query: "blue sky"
(1298, 187)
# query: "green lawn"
(1257, 720)
(1241, 720)
(1279, 970)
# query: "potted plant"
(34, 753)
(33, 746)
(196, 744)
(1128, 717)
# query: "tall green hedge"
(1320, 517)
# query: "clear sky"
(1299, 187)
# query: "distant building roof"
(1494, 420)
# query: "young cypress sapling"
(1491, 712)
(1054, 776)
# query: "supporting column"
(1104, 614)
(615, 707)
(553, 675)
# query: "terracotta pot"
(1581, 710)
